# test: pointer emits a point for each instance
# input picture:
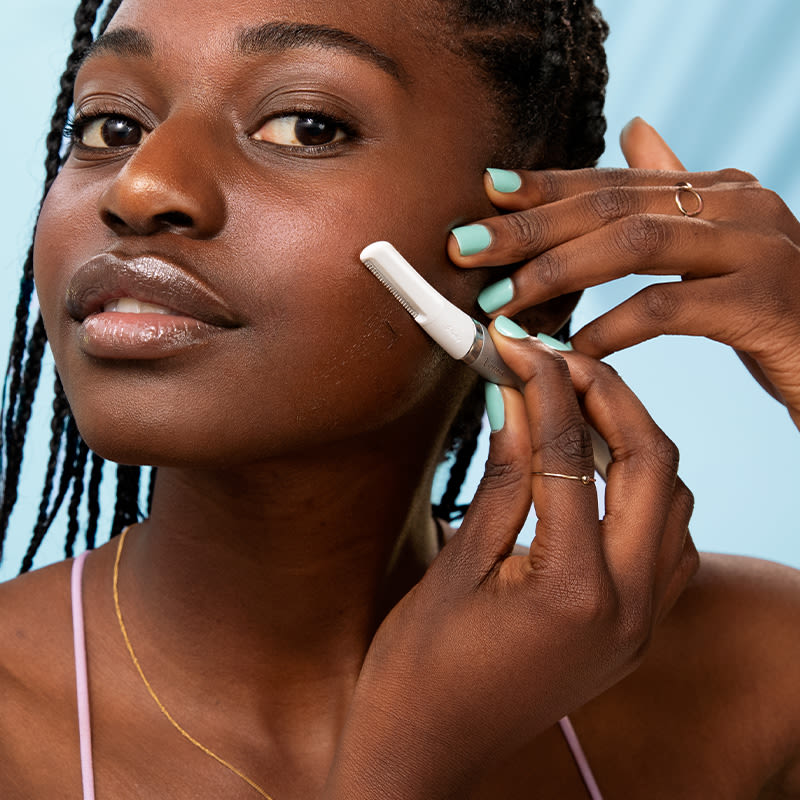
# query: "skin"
(285, 601)
(739, 259)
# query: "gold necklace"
(160, 705)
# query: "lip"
(194, 313)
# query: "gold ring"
(685, 186)
(584, 479)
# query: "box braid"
(545, 62)
(68, 453)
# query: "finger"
(687, 568)
(689, 309)
(744, 309)
(523, 235)
(641, 478)
(540, 187)
(672, 570)
(644, 244)
(567, 512)
(643, 147)
(503, 499)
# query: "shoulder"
(733, 643)
(35, 617)
(741, 606)
(37, 683)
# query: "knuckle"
(772, 202)
(499, 476)
(611, 203)
(606, 373)
(662, 454)
(548, 269)
(659, 303)
(549, 185)
(583, 596)
(572, 441)
(643, 234)
(528, 230)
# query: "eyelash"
(77, 122)
(76, 125)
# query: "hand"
(739, 259)
(491, 648)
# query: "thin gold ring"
(584, 479)
(685, 186)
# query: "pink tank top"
(84, 719)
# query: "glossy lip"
(148, 279)
(193, 315)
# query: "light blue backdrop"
(718, 78)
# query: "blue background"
(718, 78)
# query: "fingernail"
(495, 408)
(472, 239)
(504, 180)
(496, 295)
(510, 328)
(564, 347)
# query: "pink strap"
(82, 678)
(580, 758)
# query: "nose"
(169, 184)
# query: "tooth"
(128, 305)
(153, 309)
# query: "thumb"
(644, 148)
(503, 499)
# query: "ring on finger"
(584, 479)
(685, 186)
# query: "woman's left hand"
(738, 258)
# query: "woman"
(196, 264)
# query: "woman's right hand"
(492, 648)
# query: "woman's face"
(232, 159)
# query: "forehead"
(407, 33)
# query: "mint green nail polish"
(554, 343)
(496, 295)
(510, 328)
(504, 180)
(495, 408)
(472, 239)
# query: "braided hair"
(545, 64)
(68, 454)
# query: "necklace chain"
(160, 705)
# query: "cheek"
(326, 352)
(68, 233)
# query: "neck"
(287, 567)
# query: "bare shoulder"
(35, 618)
(37, 705)
(745, 607)
(734, 637)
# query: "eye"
(104, 132)
(301, 130)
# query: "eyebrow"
(277, 36)
(272, 37)
(121, 42)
